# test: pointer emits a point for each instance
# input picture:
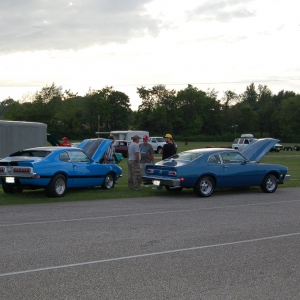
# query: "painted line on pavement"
(148, 255)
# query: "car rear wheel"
(158, 149)
(57, 186)
(109, 182)
(269, 184)
(173, 188)
(204, 186)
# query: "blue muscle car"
(210, 168)
(57, 168)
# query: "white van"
(243, 141)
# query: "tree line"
(189, 114)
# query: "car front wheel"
(109, 182)
(204, 186)
(57, 186)
(269, 184)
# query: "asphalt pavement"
(236, 244)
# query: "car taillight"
(150, 171)
(2, 169)
(22, 170)
(173, 173)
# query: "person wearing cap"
(65, 142)
(134, 172)
(147, 154)
(168, 149)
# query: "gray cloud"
(28, 25)
(221, 10)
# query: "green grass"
(121, 190)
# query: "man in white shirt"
(134, 172)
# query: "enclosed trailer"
(16, 135)
(128, 134)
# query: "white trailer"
(128, 134)
(15, 136)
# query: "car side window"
(232, 158)
(214, 159)
(78, 156)
(64, 157)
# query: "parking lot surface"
(241, 244)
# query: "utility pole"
(234, 126)
(98, 124)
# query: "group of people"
(139, 155)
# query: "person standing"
(134, 172)
(147, 154)
(109, 156)
(168, 149)
(65, 142)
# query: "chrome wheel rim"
(206, 187)
(60, 186)
(109, 181)
(271, 184)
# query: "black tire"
(6, 188)
(173, 188)
(109, 182)
(57, 187)
(9, 188)
(204, 187)
(269, 184)
(158, 149)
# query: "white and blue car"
(57, 169)
(206, 169)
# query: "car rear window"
(32, 153)
(186, 156)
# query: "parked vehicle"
(57, 168)
(208, 168)
(128, 134)
(157, 143)
(276, 148)
(243, 141)
(121, 146)
(17, 135)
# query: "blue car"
(206, 169)
(58, 168)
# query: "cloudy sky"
(89, 44)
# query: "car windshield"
(186, 155)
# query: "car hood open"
(259, 148)
(95, 148)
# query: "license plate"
(156, 182)
(9, 179)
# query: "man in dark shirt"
(168, 148)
